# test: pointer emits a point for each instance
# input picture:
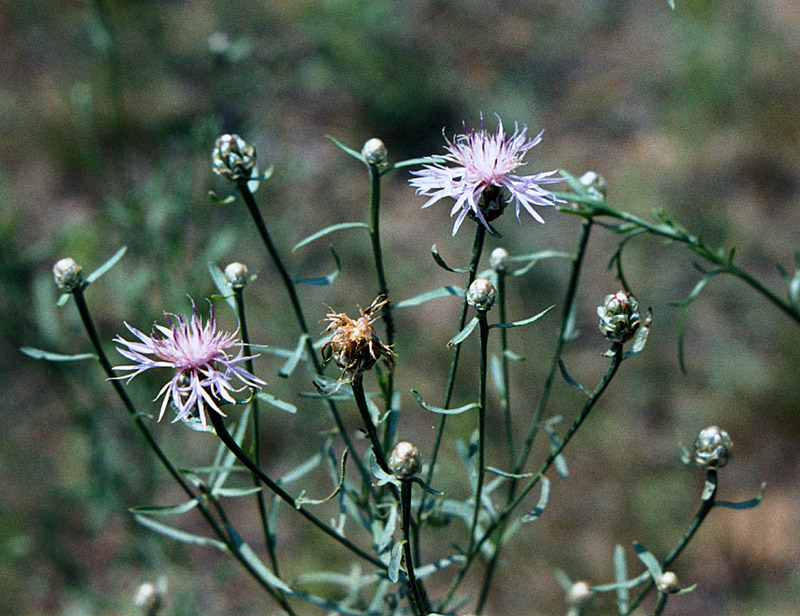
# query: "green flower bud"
(619, 316)
(481, 294)
(68, 274)
(233, 158)
(498, 260)
(405, 460)
(711, 448)
(236, 275)
(374, 151)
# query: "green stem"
(238, 296)
(91, 330)
(572, 286)
(477, 248)
(696, 245)
(288, 283)
(481, 463)
(230, 443)
(705, 507)
(419, 598)
(505, 399)
(383, 289)
(361, 402)
(616, 360)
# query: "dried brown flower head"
(354, 346)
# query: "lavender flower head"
(483, 164)
(198, 353)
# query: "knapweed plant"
(390, 494)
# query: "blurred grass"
(109, 111)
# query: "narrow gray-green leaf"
(621, 575)
(330, 229)
(237, 492)
(440, 410)
(440, 262)
(649, 561)
(543, 496)
(222, 285)
(165, 510)
(47, 355)
(106, 266)
(323, 280)
(748, 504)
(570, 380)
(179, 535)
(448, 291)
(412, 162)
(221, 200)
(462, 335)
(293, 359)
(394, 563)
(276, 402)
(344, 148)
(524, 321)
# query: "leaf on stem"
(440, 410)
(560, 461)
(221, 200)
(276, 402)
(543, 496)
(649, 561)
(302, 500)
(106, 266)
(449, 290)
(527, 321)
(440, 262)
(237, 492)
(570, 380)
(48, 356)
(324, 280)
(164, 510)
(621, 576)
(332, 228)
(684, 305)
(344, 148)
(222, 284)
(179, 535)
(748, 504)
(394, 563)
(412, 162)
(533, 258)
(292, 361)
(462, 335)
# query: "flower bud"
(68, 274)
(236, 275)
(233, 157)
(498, 260)
(481, 294)
(711, 448)
(150, 597)
(668, 582)
(375, 153)
(578, 593)
(405, 460)
(595, 182)
(619, 316)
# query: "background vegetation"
(109, 111)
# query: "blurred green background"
(109, 111)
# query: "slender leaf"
(641, 335)
(165, 510)
(48, 356)
(394, 563)
(533, 258)
(106, 266)
(748, 504)
(413, 162)
(650, 561)
(344, 148)
(276, 402)
(63, 299)
(440, 262)
(302, 470)
(570, 380)
(221, 200)
(543, 496)
(237, 492)
(621, 575)
(428, 569)
(324, 280)
(462, 335)
(222, 285)
(425, 486)
(440, 410)
(331, 229)
(179, 535)
(684, 305)
(294, 359)
(524, 321)
(450, 290)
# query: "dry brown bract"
(354, 346)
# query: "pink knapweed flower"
(483, 164)
(198, 354)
